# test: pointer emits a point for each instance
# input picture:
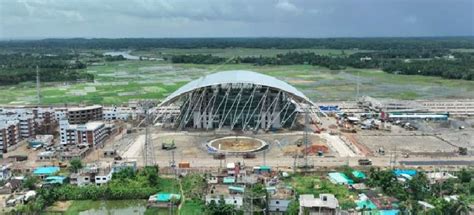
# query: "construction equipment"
(365, 162)
(168, 146)
(219, 156)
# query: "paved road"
(439, 162)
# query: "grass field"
(119, 82)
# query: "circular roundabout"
(236, 144)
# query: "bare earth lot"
(406, 144)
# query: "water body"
(128, 56)
(106, 207)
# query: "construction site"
(248, 117)
(214, 120)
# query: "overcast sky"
(234, 18)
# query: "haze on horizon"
(33, 19)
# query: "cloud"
(285, 5)
(410, 19)
(234, 18)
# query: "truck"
(365, 162)
(168, 146)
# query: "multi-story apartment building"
(9, 134)
(82, 115)
(91, 133)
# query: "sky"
(34, 19)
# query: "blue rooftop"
(166, 197)
(389, 212)
(340, 178)
(399, 172)
(358, 174)
(236, 189)
(229, 180)
(47, 170)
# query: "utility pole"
(38, 93)
(306, 139)
(149, 150)
(173, 163)
(264, 157)
(358, 73)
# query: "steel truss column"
(266, 112)
(226, 96)
(237, 118)
(255, 109)
(285, 107)
(239, 94)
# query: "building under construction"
(240, 100)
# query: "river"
(128, 56)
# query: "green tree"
(419, 186)
(151, 174)
(293, 207)
(75, 165)
(220, 208)
(126, 173)
(30, 182)
(465, 175)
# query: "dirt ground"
(191, 146)
(406, 144)
(59, 206)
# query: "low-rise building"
(85, 176)
(43, 172)
(279, 199)
(436, 177)
(232, 195)
(326, 204)
(74, 152)
(164, 199)
(5, 172)
(118, 166)
(47, 155)
(453, 107)
(103, 176)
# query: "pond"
(106, 207)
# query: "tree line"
(440, 63)
(16, 68)
(416, 43)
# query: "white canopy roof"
(235, 77)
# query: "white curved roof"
(236, 76)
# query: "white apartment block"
(117, 113)
(91, 133)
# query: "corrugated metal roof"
(235, 77)
(47, 170)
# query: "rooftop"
(340, 178)
(85, 108)
(47, 170)
(324, 200)
(236, 77)
(90, 126)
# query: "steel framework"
(240, 106)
